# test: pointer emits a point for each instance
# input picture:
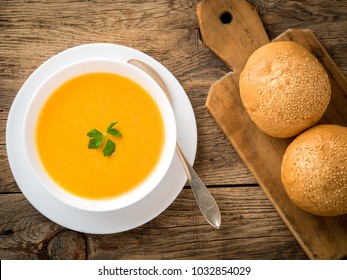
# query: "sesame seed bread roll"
(284, 89)
(314, 170)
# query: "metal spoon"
(204, 199)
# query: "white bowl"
(91, 66)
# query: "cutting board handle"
(232, 29)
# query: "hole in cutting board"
(226, 18)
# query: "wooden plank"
(250, 230)
(121, 13)
(7, 182)
(263, 154)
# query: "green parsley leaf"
(113, 131)
(109, 148)
(96, 139)
(95, 143)
(94, 133)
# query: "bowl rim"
(66, 73)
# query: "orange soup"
(94, 101)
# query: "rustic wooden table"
(33, 31)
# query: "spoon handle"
(205, 200)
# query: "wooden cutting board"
(232, 29)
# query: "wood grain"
(32, 31)
(250, 230)
(263, 154)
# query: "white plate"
(112, 221)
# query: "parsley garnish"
(109, 148)
(97, 138)
(113, 131)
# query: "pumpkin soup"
(91, 101)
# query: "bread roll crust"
(314, 170)
(284, 88)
